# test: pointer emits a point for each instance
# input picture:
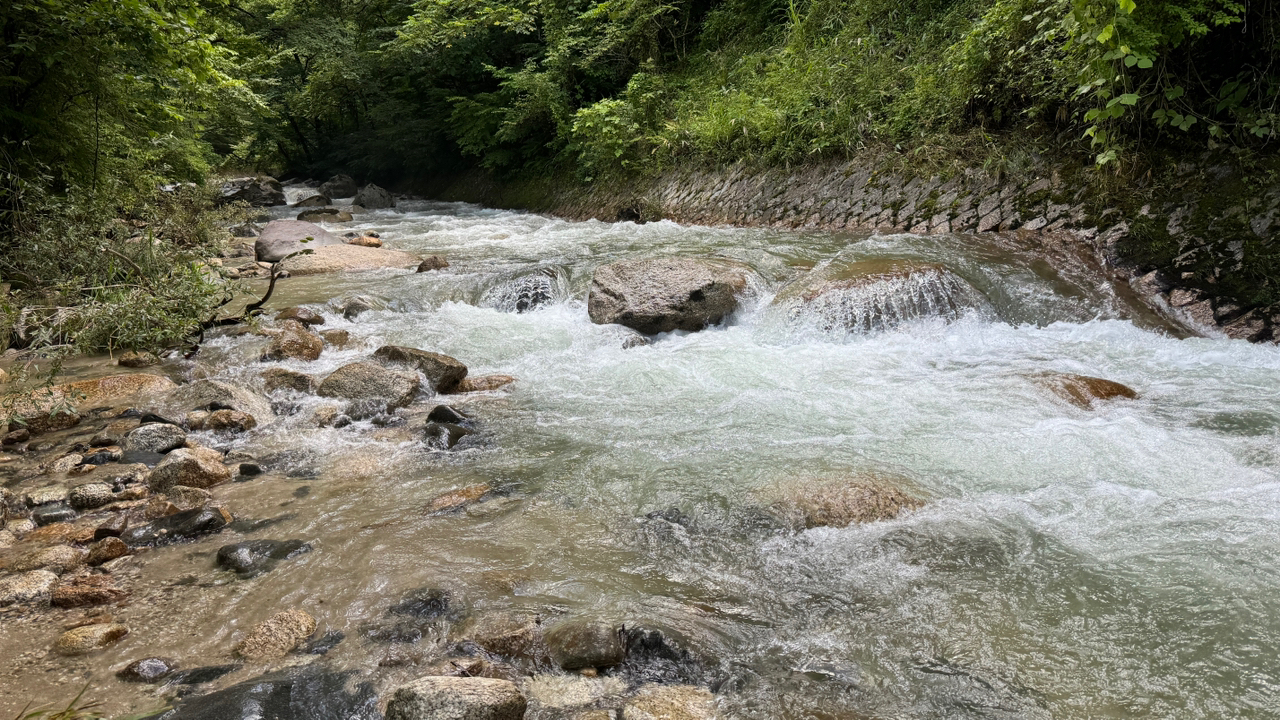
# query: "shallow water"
(1115, 562)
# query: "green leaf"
(1129, 99)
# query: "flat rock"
(347, 258)
(483, 383)
(457, 698)
(661, 295)
(854, 500)
(325, 214)
(457, 499)
(33, 586)
(513, 635)
(58, 558)
(313, 201)
(42, 411)
(88, 638)
(370, 381)
(90, 496)
(277, 636)
(281, 238)
(194, 467)
(443, 372)
(571, 691)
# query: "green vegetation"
(105, 100)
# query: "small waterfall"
(528, 292)
(865, 298)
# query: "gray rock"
(178, 526)
(313, 201)
(373, 197)
(88, 638)
(306, 316)
(432, 262)
(90, 496)
(356, 306)
(155, 437)
(457, 698)
(49, 514)
(188, 498)
(27, 587)
(50, 494)
(370, 381)
(654, 296)
(214, 395)
(276, 379)
(298, 693)
(193, 467)
(443, 436)
(254, 557)
(443, 372)
(281, 238)
(147, 670)
(230, 421)
(339, 186)
(258, 191)
(575, 644)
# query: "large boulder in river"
(296, 341)
(338, 186)
(348, 258)
(1083, 390)
(46, 410)
(281, 238)
(372, 197)
(193, 467)
(660, 295)
(258, 191)
(325, 214)
(457, 698)
(444, 373)
(313, 201)
(875, 295)
(576, 644)
(863, 498)
(366, 381)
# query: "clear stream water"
(1119, 562)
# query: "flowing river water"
(1121, 561)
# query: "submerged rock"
(370, 381)
(59, 558)
(306, 693)
(661, 295)
(483, 383)
(432, 262)
(444, 436)
(426, 603)
(670, 702)
(1083, 390)
(254, 557)
(88, 638)
(513, 635)
(860, 499)
(576, 644)
(442, 371)
(277, 636)
(325, 214)
(458, 499)
(522, 294)
(147, 670)
(275, 379)
(87, 590)
(133, 359)
(879, 295)
(457, 698)
(178, 526)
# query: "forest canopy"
(107, 100)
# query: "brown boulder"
(277, 636)
(859, 499)
(483, 383)
(88, 638)
(661, 295)
(442, 371)
(432, 262)
(303, 315)
(295, 342)
(1083, 390)
(87, 590)
(232, 421)
(194, 467)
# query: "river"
(1121, 561)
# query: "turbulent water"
(1118, 562)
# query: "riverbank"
(1193, 238)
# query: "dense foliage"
(106, 99)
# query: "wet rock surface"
(366, 381)
(457, 698)
(254, 557)
(155, 437)
(670, 702)
(295, 694)
(838, 503)
(192, 467)
(89, 638)
(1084, 391)
(179, 526)
(661, 295)
(277, 636)
(26, 587)
(295, 342)
(147, 670)
(443, 372)
(577, 644)
(86, 591)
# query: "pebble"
(47, 514)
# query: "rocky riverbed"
(523, 467)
